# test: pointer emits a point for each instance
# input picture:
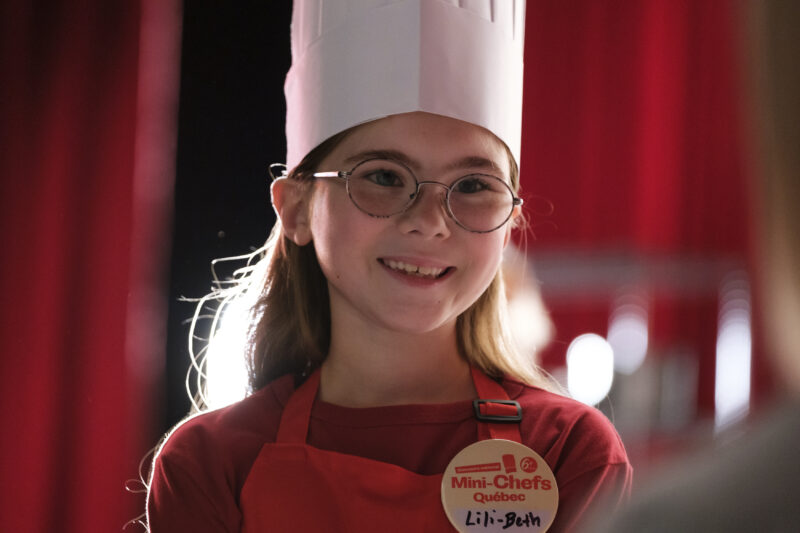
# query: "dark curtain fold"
(86, 100)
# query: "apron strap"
(297, 413)
(498, 416)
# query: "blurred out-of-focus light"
(628, 335)
(590, 368)
(529, 322)
(226, 371)
(732, 383)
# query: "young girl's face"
(366, 259)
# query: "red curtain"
(633, 136)
(632, 124)
(86, 121)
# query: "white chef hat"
(354, 61)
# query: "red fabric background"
(85, 118)
(633, 135)
(632, 127)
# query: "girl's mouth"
(428, 272)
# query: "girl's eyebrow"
(381, 154)
(463, 163)
(474, 161)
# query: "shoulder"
(562, 427)
(203, 463)
(231, 436)
(582, 448)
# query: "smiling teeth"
(423, 271)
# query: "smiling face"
(418, 270)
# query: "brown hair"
(291, 317)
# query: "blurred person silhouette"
(750, 484)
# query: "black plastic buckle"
(476, 404)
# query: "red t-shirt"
(199, 474)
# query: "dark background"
(230, 128)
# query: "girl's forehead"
(425, 140)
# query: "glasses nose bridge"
(446, 187)
(445, 200)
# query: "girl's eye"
(472, 185)
(384, 178)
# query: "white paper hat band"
(360, 60)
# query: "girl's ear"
(290, 201)
(514, 214)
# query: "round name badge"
(499, 485)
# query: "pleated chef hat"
(354, 61)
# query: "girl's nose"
(427, 215)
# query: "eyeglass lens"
(478, 202)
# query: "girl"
(381, 351)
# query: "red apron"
(294, 487)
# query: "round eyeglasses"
(479, 203)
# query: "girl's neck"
(394, 369)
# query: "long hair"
(290, 319)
